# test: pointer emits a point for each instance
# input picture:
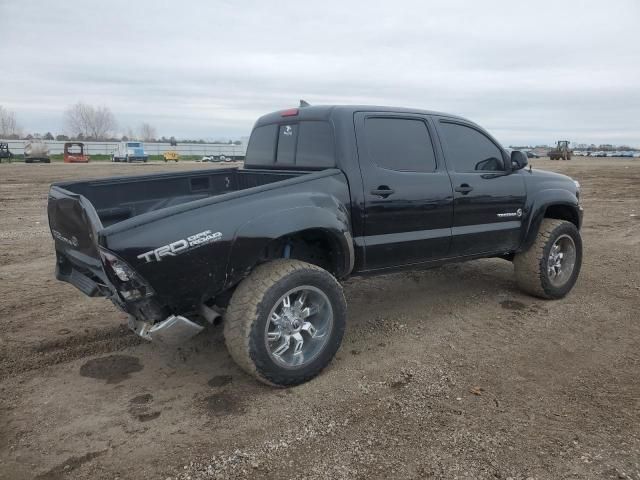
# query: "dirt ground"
(446, 373)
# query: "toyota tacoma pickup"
(326, 192)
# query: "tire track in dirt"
(24, 358)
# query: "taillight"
(292, 112)
(130, 285)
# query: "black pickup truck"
(327, 192)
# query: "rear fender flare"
(253, 237)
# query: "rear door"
(407, 190)
(488, 197)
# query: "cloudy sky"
(531, 72)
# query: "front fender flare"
(536, 208)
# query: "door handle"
(464, 188)
(382, 191)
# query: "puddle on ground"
(512, 305)
(222, 404)
(113, 369)
(220, 380)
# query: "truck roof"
(325, 112)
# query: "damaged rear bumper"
(173, 330)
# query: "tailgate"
(74, 224)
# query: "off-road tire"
(531, 266)
(251, 303)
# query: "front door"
(407, 191)
(488, 197)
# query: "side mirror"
(518, 160)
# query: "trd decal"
(181, 246)
(73, 241)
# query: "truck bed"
(121, 198)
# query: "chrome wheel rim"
(299, 326)
(561, 261)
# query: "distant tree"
(62, 138)
(173, 141)
(29, 137)
(48, 136)
(124, 138)
(8, 124)
(91, 122)
(147, 132)
(237, 142)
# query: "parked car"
(74, 153)
(531, 154)
(130, 152)
(36, 151)
(326, 193)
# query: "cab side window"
(399, 144)
(469, 150)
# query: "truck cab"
(130, 151)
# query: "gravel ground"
(445, 373)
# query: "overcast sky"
(530, 72)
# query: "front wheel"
(550, 268)
(285, 322)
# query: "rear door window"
(400, 144)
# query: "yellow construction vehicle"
(172, 155)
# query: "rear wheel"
(550, 268)
(285, 322)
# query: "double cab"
(326, 192)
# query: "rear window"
(305, 144)
(287, 137)
(262, 146)
(133, 144)
(315, 145)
